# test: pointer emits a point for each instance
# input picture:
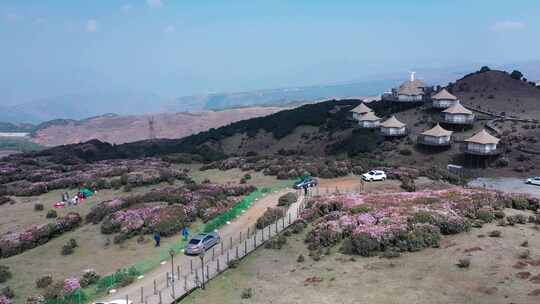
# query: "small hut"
(369, 120)
(411, 91)
(393, 127)
(360, 110)
(458, 115)
(482, 143)
(443, 100)
(436, 136)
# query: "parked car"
(308, 181)
(533, 180)
(374, 175)
(202, 242)
(123, 301)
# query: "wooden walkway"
(183, 280)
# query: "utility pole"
(151, 128)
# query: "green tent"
(87, 192)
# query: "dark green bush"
(51, 214)
(464, 263)
(67, 250)
(300, 259)
(7, 292)
(44, 281)
(407, 184)
(406, 152)
(247, 293)
(89, 277)
(360, 209)
(516, 219)
(270, 216)
(485, 214)
(520, 203)
(5, 273)
(287, 199)
(276, 242)
(38, 207)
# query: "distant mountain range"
(86, 105)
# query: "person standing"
(185, 233)
(157, 238)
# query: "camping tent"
(87, 192)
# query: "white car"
(533, 180)
(123, 301)
(374, 175)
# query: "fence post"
(221, 247)
(289, 218)
(142, 294)
(160, 300)
(230, 241)
(127, 298)
(245, 246)
(191, 266)
(254, 241)
(283, 222)
(228, 259)
(218, 268)
(196, 278)
(208, 272)
(178, 271)
(185, 283)
(262, 233)
(155, 287)
(277, 226)
(247, 233)
(173, 293)
(240, 237)
(237, 252)
(213, 253)
(167, 274)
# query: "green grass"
(18, 144)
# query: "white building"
(369, 120)
(436, 136)
(393, 127)
(458, 115)
(443, 100)
(482, 143)
(412, 90)
(360, 110)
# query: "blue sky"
(180, 47)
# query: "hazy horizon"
(172, 48)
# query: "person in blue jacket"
(185, 233)
(157, 238)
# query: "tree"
(516, 75)
(485, 69)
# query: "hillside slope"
(121, 129)
(497, 91)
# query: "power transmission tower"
(151, 128)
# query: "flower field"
(406, 221)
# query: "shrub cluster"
(287, 199)
(270, 216)
(5, 273)
(13, 243)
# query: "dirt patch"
(523, 275)
(520, 265)
(535, 279)
(534, 293)
(472, 249)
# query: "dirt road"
(506, 184)
(248, 219)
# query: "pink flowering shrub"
(164, 219)
(405, 221)
(5, 300)
(12, 243)
(205, 201)
(71, 285)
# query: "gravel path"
(506, 184)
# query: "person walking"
(157, 238)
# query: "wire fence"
(185, 278)
(130, 274)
